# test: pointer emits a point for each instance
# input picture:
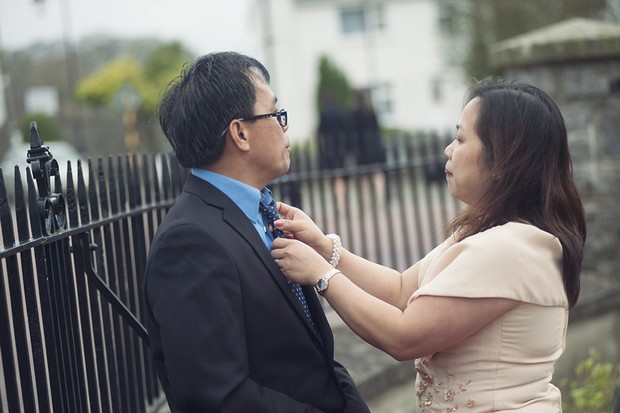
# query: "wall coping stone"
(569, 40)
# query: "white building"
(3, 114)
(392, 47)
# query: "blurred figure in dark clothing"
(366, 142)
(366, 133)
(332, 134)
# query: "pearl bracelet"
(336, 249)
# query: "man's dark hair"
(199, 104)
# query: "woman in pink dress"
(484, 315)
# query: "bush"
(594, 387)
(49, 128)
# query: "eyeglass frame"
(278, 114)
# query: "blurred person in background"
(366, 140)
(332, 134)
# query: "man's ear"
(238, 135)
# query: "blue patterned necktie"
(270, 212)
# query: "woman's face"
(466, 173)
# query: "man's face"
(271, 149)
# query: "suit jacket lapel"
(320, 320)
(238, 221)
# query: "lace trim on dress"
(431, 394)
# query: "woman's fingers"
(288, 225)
(285, 210)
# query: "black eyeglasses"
(281, 115)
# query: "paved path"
(399, 399)
(386, 384)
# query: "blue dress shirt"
(245, 196)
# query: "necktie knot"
(268, 208)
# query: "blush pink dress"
(506, 366)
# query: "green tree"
(101, 87)
(161, 67)
(470, 27)
(333, 85)
(146, 78)
(132, 85)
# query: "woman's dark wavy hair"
(525, 146)
(199, 104)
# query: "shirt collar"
(245, 196)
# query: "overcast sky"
(201, 25)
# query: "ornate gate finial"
(51, 205)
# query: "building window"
(362, 19)
(382, 99)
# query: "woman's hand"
(296, 224)
(298, 261)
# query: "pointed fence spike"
(35, 137)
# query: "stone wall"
(588, 94)
(578, 63)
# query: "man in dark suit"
(227, 333)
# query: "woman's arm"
(380, 281)
(424, 326)
(428, 324)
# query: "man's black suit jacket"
(227, 334)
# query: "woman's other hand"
(296, 224)
(298, 261)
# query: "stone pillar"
(578, 63)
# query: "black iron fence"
(71, 264)
(72, 259)
(393, 212)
